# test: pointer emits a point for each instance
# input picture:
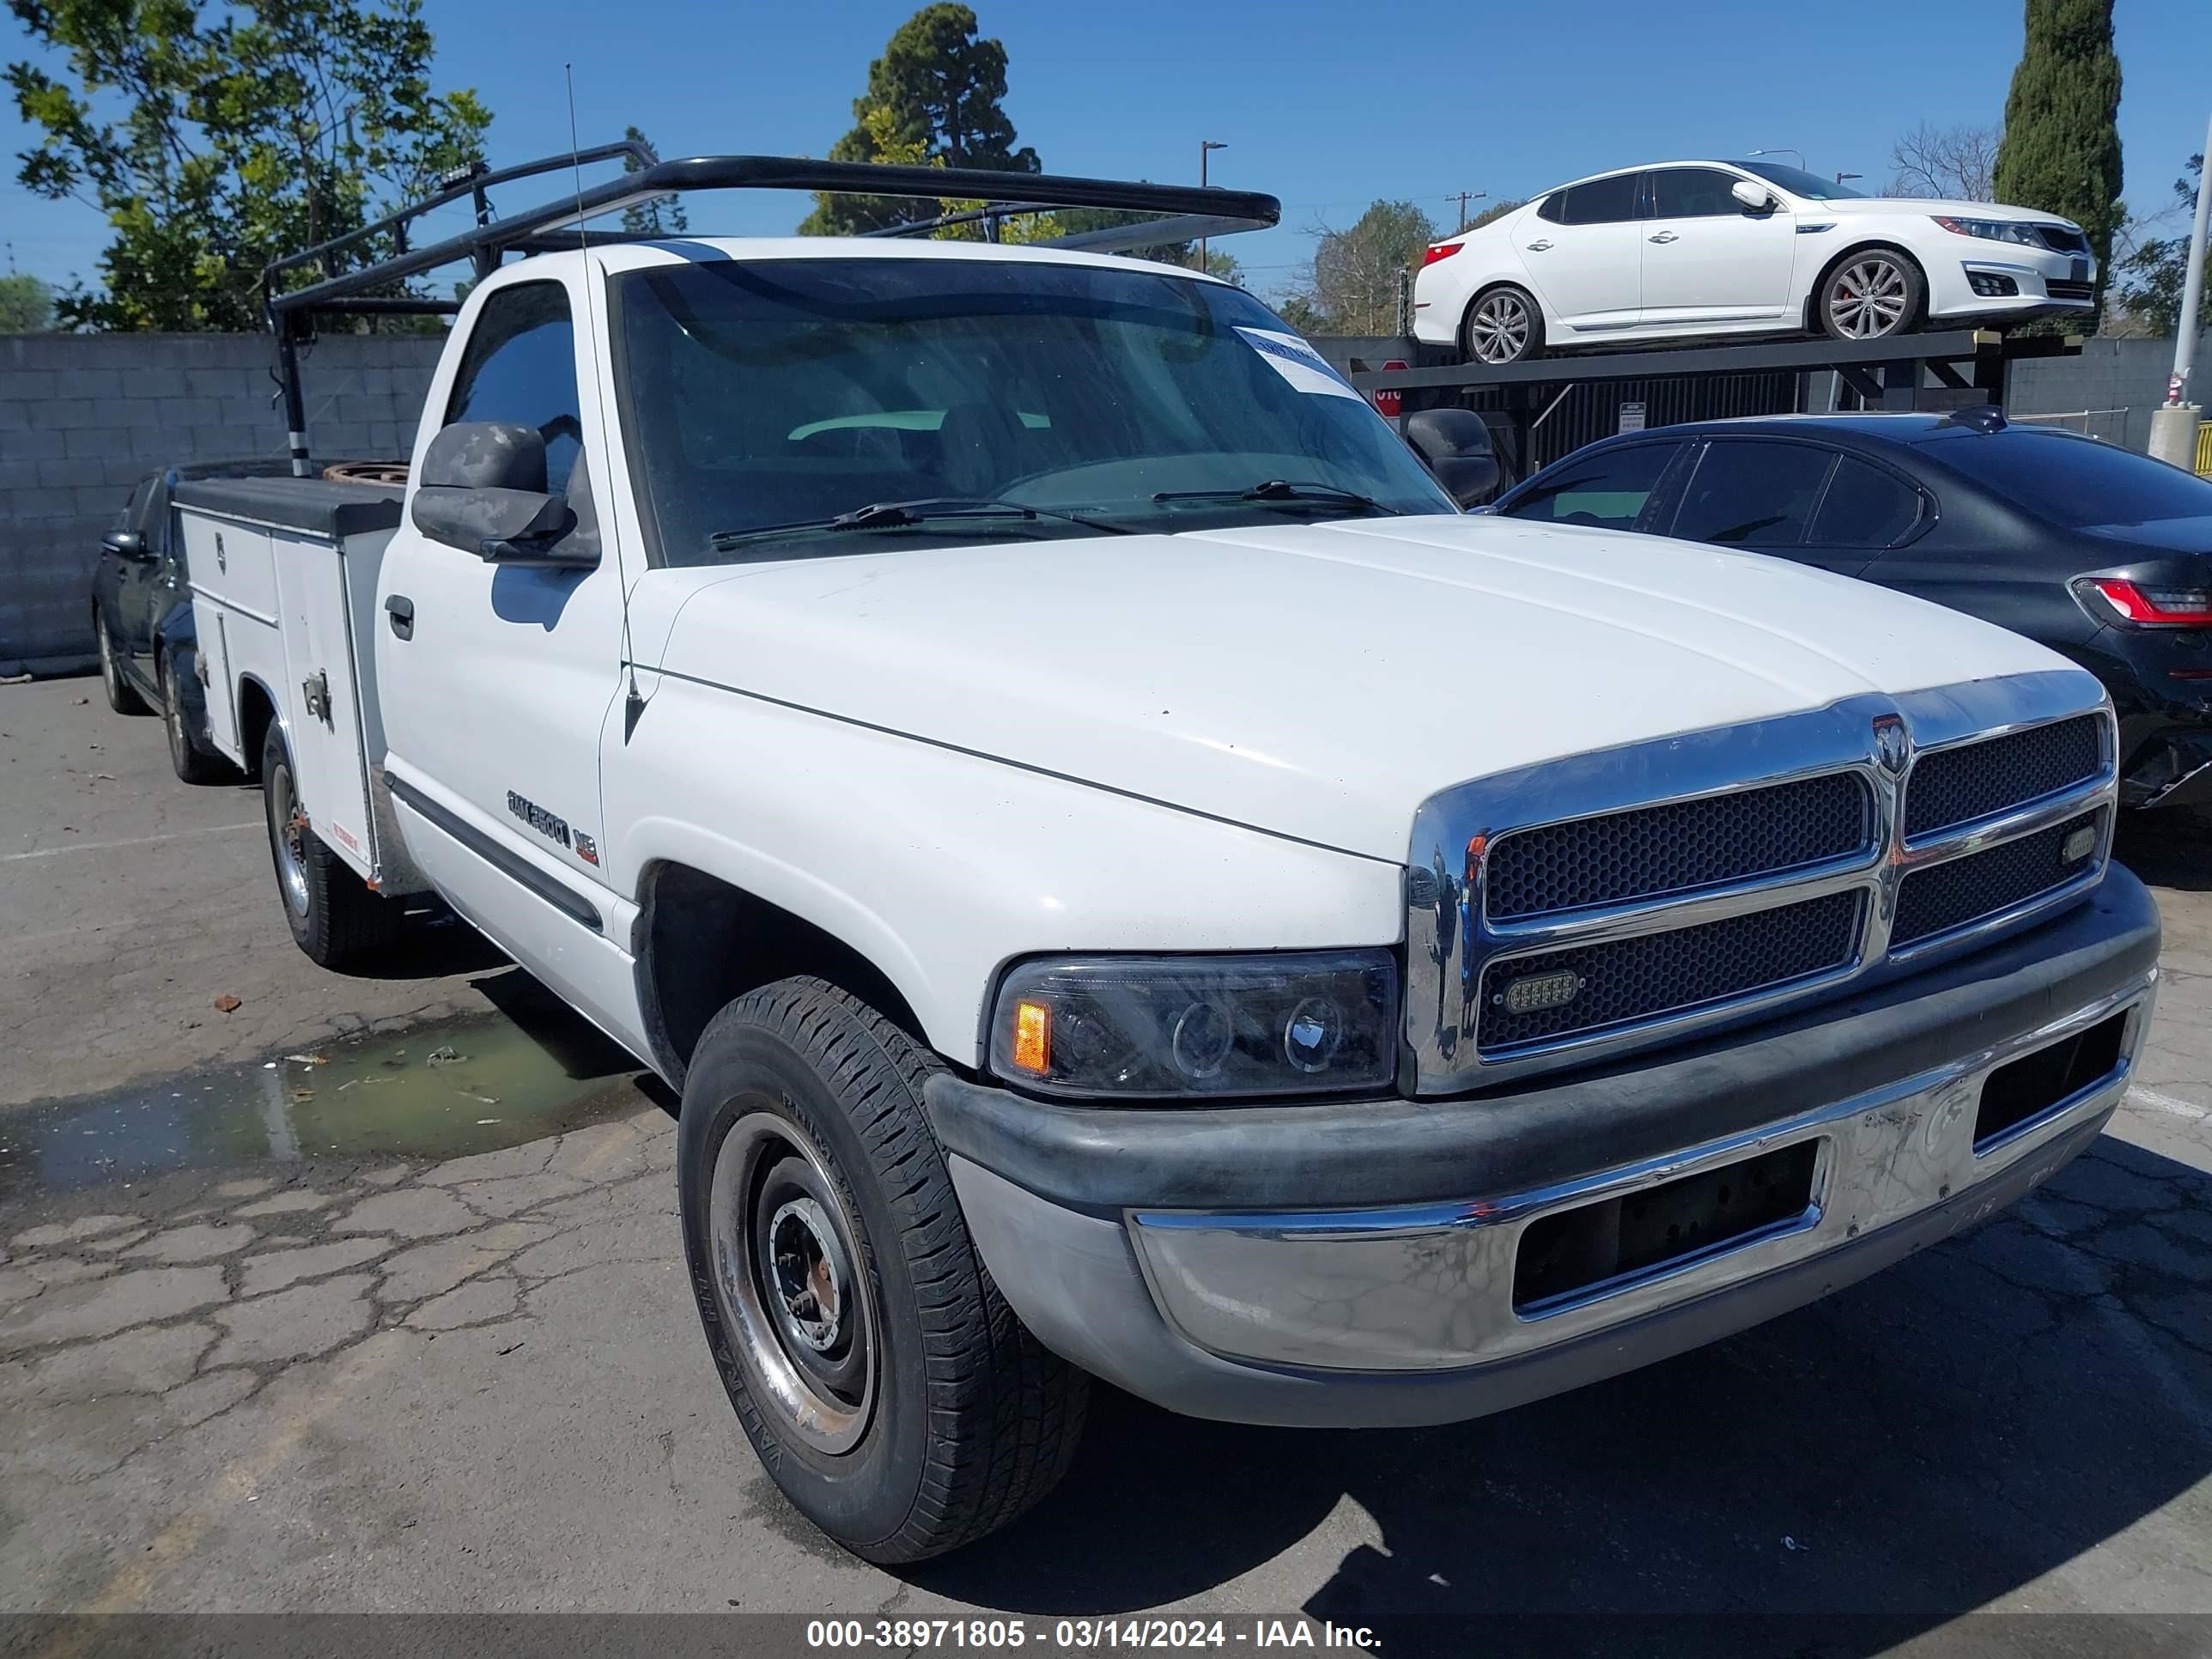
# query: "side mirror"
(127, 545)
(1756, 197)
(483, 490)
(486, 455)
(1455, 445)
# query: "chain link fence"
(2111, 426)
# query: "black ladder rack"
(1190, 211)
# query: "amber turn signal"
(1032, 1037)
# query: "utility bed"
(283, 580)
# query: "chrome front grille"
(1561, 913)
(1654, 974)
(1679, 847)
(1977, 780)
(1943, 897)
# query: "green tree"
(1356, 272)
(1299, 312)
(2060, 150)
(1224, 266)
(27, 305)
(216, 139)
(1070, 221)
(1495, 210)
(2151, 278)
(934, 94)
(665, 217)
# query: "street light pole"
(1205, 149)
(1781, 150)
(2173, 429)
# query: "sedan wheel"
(1504, 328)
(1872, 295)
(191, 763)
(122, 696)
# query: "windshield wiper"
(903, 515)
(1280, 489)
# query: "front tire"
(333, 916)
(1872, 294)
(1503, 325)
(889, 1391)
(122, 696)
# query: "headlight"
(1223, 1026)
(1995, 230)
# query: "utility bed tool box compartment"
(284, 578)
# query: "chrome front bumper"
(1430, 1287)
(1353, 1263)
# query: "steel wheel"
(288, 829)
(787, 1275)
(1500, 327)
(1868, 298)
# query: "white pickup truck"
(1129, 882)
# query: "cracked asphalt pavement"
(479, 1385)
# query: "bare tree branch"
(1955, 162)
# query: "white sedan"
(1691, 248)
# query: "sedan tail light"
(2144, 606)
(1440, 250)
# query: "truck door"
(496, 679)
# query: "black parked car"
(142, 614)
(2101, 554)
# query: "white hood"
(1932, 205)
(1317, 681)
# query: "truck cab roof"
(615, 258)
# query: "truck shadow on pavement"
(1911, 1449)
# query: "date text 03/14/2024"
(913, 1635)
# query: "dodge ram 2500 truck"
(1129, 882)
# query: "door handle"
(399, 610)
(1539, 245)
(1666, 236)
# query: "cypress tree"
(2061, 151)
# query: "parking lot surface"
(288, 1362)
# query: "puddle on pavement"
(435, 1092)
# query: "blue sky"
(1326, 106)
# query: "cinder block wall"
(2121, 374)
(84, 416)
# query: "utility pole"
(1463, 197)
(1205, 149)
(2173, 429)
(1842, 176)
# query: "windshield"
(768, 397)
(1798, 182)
(2072, 481)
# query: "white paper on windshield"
(1298, 363)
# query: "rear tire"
(122, 696)
(889, 1391)
(1503, 325)
(333, 916)
(190, 761)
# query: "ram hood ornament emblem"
(1892, 747)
